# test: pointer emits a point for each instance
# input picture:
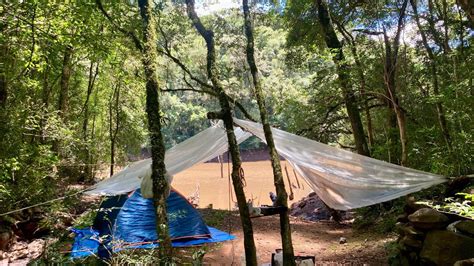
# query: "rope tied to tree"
(243, 182)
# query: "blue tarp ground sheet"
(86, 241)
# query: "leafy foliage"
(44, 149)
(462, 205)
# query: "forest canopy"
(389, 79)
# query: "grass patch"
(216, 218)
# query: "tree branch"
(368, 32)
(128, 33)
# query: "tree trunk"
(114, 106)
(390, 72)
(87, 173)
(363, 87)
(90, 87)
(160, 185)
(282, 196)
(468, 7)
(3, 66)
(226, 115)
(63, 100)
(446, 47)
(45, 95)
(3, 89)
(350, 99)
(434, 75)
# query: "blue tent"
(130, 222)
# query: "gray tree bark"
(226, 115)
(282, 195)
(350, 98)
(160, 185)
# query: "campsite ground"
(319, 239)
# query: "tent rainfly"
(342, 179)
(129, 222)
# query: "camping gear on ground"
(130, 222)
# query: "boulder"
(466, 227)
(402, 218)
(411, 206)
(407, 230)
(468, 262)
(427, 219)
(411, 242)
(5, 239)
(443, 247)
(451, 227)
(36, 248)
(310, 208)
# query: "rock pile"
(428, 237)
(312, 208)
(22, 252)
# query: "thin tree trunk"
(468, 7)
(160, 184)
(90, 88)
(342, 70)
(3, 67)
(87, 173)
(149, 57)
(63, 100)
(3, 89)
(114, 107)
(363, 87)
(432, 24)
(434, 75)
(282, 196)
(447, 48)
(226, 115)
(45, 95)
(390, 73)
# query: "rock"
(35, 248)
(411, 206)
(342, 240)
(445, 247)
(5, 239)
(407, 230)
(466, 227)
(312, 208)
(402, 218)
(30, 229)
(411, 242)
(19, 246)
(427, 218)
(468, 262)
(451, 227)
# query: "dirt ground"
(319, 239)
(214, 189)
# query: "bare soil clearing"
(214, 189)
(320, 239)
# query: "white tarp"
(202, 147)
(342, 179)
